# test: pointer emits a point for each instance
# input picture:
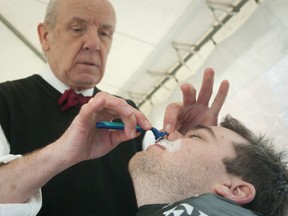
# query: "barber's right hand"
(83, 141)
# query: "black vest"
(31, 119)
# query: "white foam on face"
(171, 146)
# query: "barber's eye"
(77, 29)
(105, 34)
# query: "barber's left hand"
(182, 116)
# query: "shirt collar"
(50, 77)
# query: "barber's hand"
(83, 141)
(193, 111)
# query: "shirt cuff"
(30, 208)
(8, 158)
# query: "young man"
(212, 171)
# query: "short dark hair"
(259, 164)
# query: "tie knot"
(71, 99)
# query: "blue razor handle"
(114, 126)
(120, 126)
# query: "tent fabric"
(155, 37)
(255, 61)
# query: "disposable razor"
(120, 126)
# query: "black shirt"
(203, 205)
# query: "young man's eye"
(194, 136)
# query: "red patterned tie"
(71, 99)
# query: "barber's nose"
(92, 41)
(174, 135)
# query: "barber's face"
(195, 167)
(78, 45)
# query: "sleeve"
(32, 206)
(29, 208)
(4, 145)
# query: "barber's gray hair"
(50, 16)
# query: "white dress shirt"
(32, 206)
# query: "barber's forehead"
(98, 8)
(103, 4)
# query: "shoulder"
(206, 204)
(29, 84)
(27, 89)
(20, 83)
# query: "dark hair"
(259, 164)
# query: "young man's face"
(196, 166)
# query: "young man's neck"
(158, 192)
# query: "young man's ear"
(239, 191)
(43, 36)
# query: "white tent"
(162, 43)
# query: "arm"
(192, 111)
(4, 145)
(23, 177)
(33, 204)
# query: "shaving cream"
(171, 146)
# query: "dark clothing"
(203, 205)
(31, 119)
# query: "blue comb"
(120, 126)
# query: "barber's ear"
(240, 191)
(43, 36)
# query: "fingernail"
(132, 134)
(147, 124)
(168, 128)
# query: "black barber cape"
(203, 205)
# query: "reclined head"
(228, 160)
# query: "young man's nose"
(174, 135)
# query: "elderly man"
(76, 37)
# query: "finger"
(220, 98)
(118, 137)
(172, 112)
(189, 94)
(142, 120)
(129, 115)
(88, 110)
(118, 106)
(130, 124)
(206, 87)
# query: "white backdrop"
(255, 61)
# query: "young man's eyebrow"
(208, 129)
